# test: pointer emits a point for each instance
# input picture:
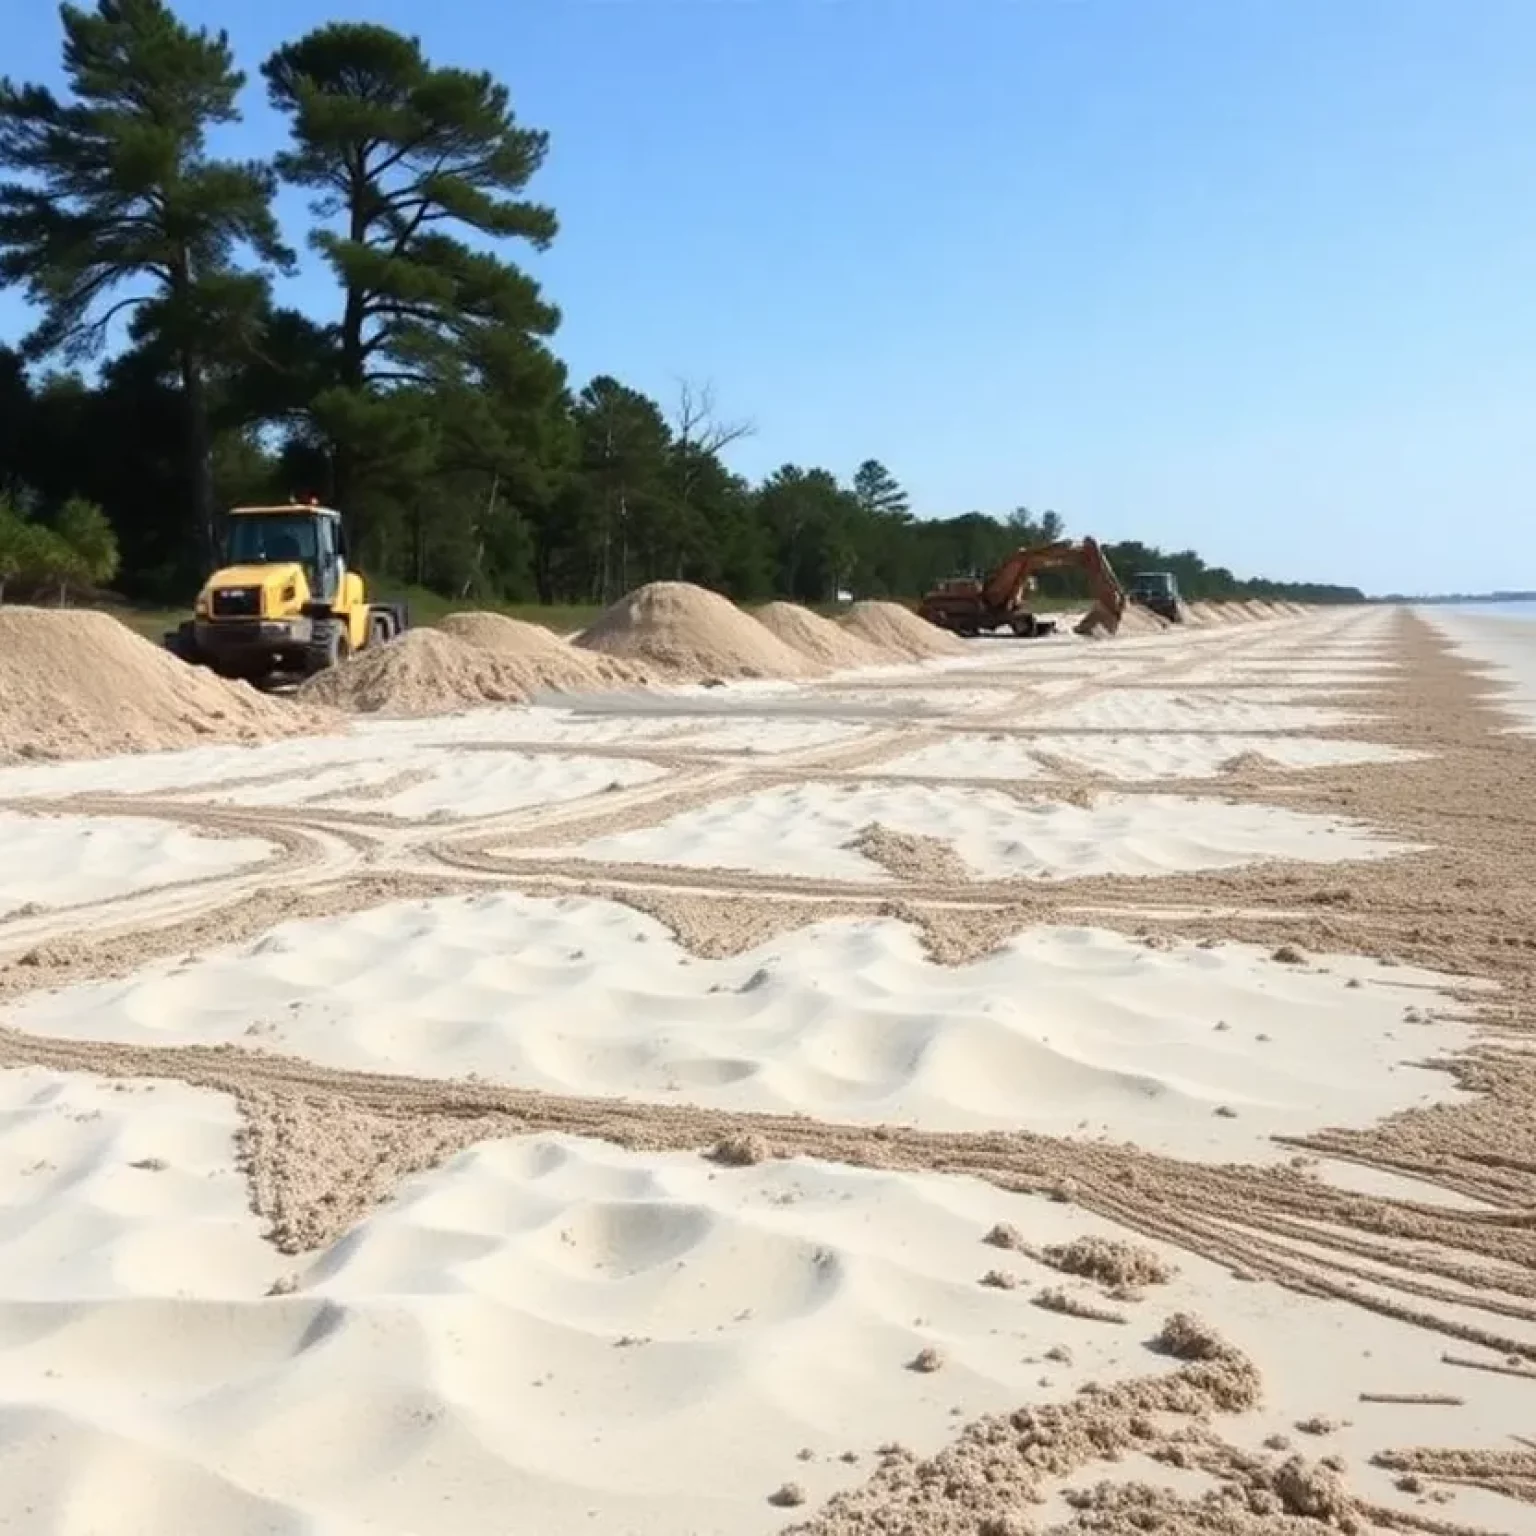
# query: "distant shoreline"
(1460, 597)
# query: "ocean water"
(1524, 609)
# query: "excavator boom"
(970, 607)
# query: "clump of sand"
(1109, 1261)
(692, 633)
(80, 684)
(830, 645)
(424, 672)
(547, 663)
(981, 1484)
(1188, 1337)
(899, 632)
(911, 855)
(742, 1151)
(1246, 762)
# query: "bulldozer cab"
(305, 535)
(1162, 584)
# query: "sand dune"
(376, 751)
(1066, 1031)
(808, 829)
(63, 861)
(1148, 709)
(558, 1327)
(658, 1341)
(444, 784)
(76, 684)
(1133, 757)
(687, 632)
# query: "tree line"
(162, 380)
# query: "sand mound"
(692, 633)
(1208, 613)
(1137, 620)
(1109, 1261)
(80, 684)
(545, 661)
(820, 639)
(424, 672)
(899, 632)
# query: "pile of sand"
(1208, 613)
(545, 661)
(80, 684)
(1137, 620)
(424, 672)
(694, 634)
(820, 639)
(899, 632)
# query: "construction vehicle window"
(269, 540)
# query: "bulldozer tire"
(329, 646)
(181, 642)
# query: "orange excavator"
(967, 605)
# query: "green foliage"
(878, 493)
(13, 542)
(407, 162)
(83, 526)
(35, 556)
(423, 399)
(120, 211)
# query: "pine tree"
(398, 152)
(878, 491)
(121, 209)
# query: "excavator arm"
(1108, 595)
(1006, 585)
(970, 606)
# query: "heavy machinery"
(1159, 591)
(284, 605)
(968, 605)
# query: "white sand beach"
(678, 1109)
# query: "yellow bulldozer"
(284, 605)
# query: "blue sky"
(1253, 276)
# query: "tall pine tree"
(119, 208)
(404, 157)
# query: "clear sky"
(1252, 276)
